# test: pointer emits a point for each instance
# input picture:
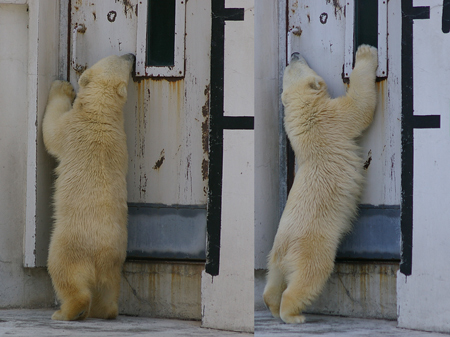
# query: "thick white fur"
(323, 199)
(89, 238)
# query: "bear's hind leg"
(76, 303)
(274, 289)
(292, 305)
(72, 283)
(304, 284)
(75, 308)
(106, 297)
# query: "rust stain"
(167, 79)
(205, 167)
(78, 4)
(381, 88)
(205, 135)
(160, 161)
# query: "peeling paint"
(338, 9)
(160, 161)
(205, 123)
(111, 16)
(368, 161)
(143, 183)
(128, 8)
(205, 134)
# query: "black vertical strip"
(290, 158)
(446, 17)
(216, 126)
(407, 139)
(409, 123)
(69, 38)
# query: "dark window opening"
(161, 33)
(366, 23)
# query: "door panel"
(166, 122)
(323, 33)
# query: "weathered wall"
(360, 290)
(161, 289)
(20, 287)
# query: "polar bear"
(89, 238)
(323, 199)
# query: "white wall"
(267, 100)
(423, 297)
(227, 299)
(20, 287)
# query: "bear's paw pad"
(366, 52)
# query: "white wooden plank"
(31, 211)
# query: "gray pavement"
(37, 323)
(318, 325)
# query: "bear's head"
(300, 79)
(111, 74)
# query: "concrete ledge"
(161, 289)
(367, 290)
(355, 289)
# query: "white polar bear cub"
(323, 199)
(89, 238)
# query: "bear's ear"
(315, 84)
(85, 78)
(122, 90)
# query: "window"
(366, 23)
(160, 38)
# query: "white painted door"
(327, 34)
(166, 115)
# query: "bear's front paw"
(366, 52)
(62, 88)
